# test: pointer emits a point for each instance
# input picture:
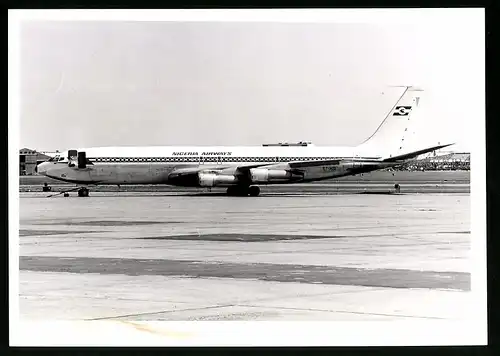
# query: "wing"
(243, 170)
(297, 170)
(307, 164)
(186, 173)
(193, 170)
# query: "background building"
(442, 161)
(28, 159)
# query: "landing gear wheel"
(237, 191)
(231, 191)
(83, 192)
(253, 191)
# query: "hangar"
(28, 159)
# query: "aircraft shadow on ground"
(217, 194)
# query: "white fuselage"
(242, 168)
(154, 165)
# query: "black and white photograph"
(247, 177)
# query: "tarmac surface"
(280, 256)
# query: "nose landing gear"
(82, 192)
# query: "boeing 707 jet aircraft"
(240, 169)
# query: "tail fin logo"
(402, 111)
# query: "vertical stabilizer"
(389, 138)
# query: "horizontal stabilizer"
(415, 153)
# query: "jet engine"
(211, 179)
(262, 175)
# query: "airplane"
(240, 169)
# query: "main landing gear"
(238, 191)
(83, 192)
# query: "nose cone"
(42, 168)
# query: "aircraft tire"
(237, 191)
(254, 191)
(83, 192)
(232, 191)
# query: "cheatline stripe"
(269, 159)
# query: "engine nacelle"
(215, 180)
(262, 175)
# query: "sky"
(140, 83)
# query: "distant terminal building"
(28, 159)
(442, 161)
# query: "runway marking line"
(159, 312)
(161, 332)
(342, 311)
